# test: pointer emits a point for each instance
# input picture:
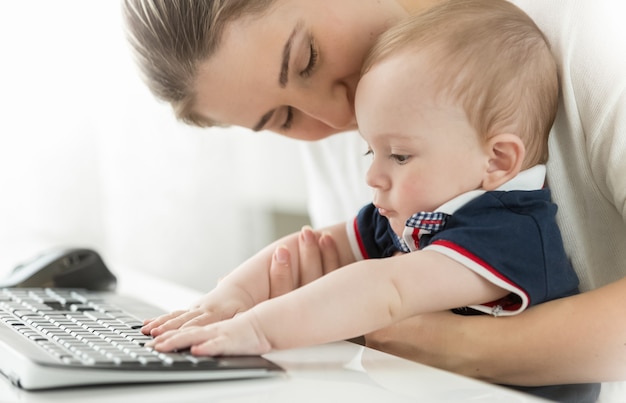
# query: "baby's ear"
(506, 156)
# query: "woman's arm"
(570, 340)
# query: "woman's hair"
(171, 38)
(490, 56)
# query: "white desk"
(336, 372)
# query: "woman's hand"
(318, 255)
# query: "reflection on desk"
(335, 372)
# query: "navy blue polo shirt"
(509, 237)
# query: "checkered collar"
(427, 222)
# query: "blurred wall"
(89, 158)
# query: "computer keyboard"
(76, 329)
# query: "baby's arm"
(357, 299)
(245, 286)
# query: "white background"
(89, 158)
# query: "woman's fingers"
(329, 253)
(310, 262)
(318, 255)
(281, 273)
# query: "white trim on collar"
(530, 179)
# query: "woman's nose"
(333, 106)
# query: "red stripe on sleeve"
(464, 252)
(359, 240)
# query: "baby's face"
(424, 150)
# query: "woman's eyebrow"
(283, 77)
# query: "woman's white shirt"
(587, 165)
(335, 171)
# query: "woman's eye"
(400, 159)
(288, 119)
(312, 60)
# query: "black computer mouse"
(63, 268)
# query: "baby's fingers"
(218, 345)
(179, 339)
(170, 322)
(204, 318)
(152, 323)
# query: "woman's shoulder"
(587, 155)
(588, 40)
(594, 24)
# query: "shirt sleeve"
(511, 239)
(370, 235)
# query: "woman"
(291, 66)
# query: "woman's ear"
(506, 157)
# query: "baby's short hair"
(493, 59)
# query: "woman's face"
(294, 69)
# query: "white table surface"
(335, 372)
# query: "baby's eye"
(368, 152)
(400, 159)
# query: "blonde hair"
(171, 38)
(490, 56)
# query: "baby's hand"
(175, 320)
(212, 308)
(238, 336)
